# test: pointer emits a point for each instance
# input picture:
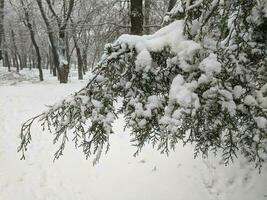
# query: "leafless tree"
(32, 35)
(59, 51)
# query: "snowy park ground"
(119, 175)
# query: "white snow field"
(119, 175)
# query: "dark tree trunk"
(79, 58)
(147, 15)
(94, 58)
(84, 59)
(84, 54)
(15, 51)
(53, 68)
(51, 38)
(33, 61)
(136, 16)
(39, 58)
(171, 4)
(30, 62)
(47, 61)
(24, 60)
(2, 2)
(59, 52)
(80, 63)
(20, 62)
(15, 63)
(64, 64)
(36, 47)
(6, 61)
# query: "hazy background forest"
(34, 32)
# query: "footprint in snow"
(142, 161)
(230, 181)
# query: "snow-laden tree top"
(201, 79)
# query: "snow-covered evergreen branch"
(199, 80)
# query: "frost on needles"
(200, 79)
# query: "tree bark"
(33, 60)
(85, 52)
(171, 4)
(53, 68)
(15, 63)
(32, 35)
(2, 3)
(147, 15)
(51, 38)
(136, 16)
(47, 61)
(15, 51)
(6, 61)
(79, 58)
(59, 52)
(84, 59)
(20, 62)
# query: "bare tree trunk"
(30, 62)
(79, 58)
(68, 53)
(84, 59)
(15, 51)
(32, 34)
(147, 15)
(2, 3)
(33, 60)
(171, 4)
(24, 60)
(84, 54)
(63, 60)
(59, 53)
(15, 62)
(51, 38)
(47, 61)
(20, 62)
(94, 58)
(6, 61)
(53, 68)
(136, 16)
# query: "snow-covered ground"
(119, 175)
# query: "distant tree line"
(56, 35)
